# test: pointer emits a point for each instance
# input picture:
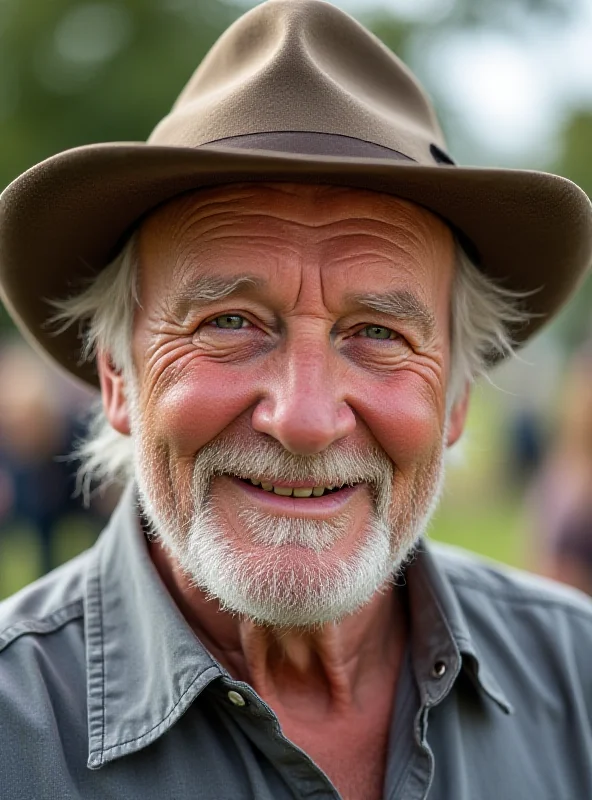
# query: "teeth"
(284, 491)
(303, 492)
(288, 491)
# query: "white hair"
(104, 311)
(483, 318)
(483, 315)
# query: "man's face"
(288, 409)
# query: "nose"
(304, 408)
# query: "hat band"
(310, 144)
(313, 143)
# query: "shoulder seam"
(539, 600)
(49, 624)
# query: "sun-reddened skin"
(296, 352)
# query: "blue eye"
(230, 321)
(377, 332)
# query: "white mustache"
(263, 458)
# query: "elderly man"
(284, 297)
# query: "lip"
(311, 507)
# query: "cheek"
(404, 418)
(197, 407)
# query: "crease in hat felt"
(293, 92)
(306, 67)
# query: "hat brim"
(63, 220)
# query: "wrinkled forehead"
(310, 206)
(334, 223)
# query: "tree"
(78, 72)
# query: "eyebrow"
(401, 304)
(208, 289)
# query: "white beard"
(285, 573)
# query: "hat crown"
(302, 65)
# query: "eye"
(377, 332)
(230, 321)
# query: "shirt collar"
(145, 666)
(441, 642)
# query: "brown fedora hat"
(294, 91)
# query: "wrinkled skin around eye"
(290, 359)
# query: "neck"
(335, 664)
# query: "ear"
(113, 394)
(458, 416)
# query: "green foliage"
(78, 72)
(506, 13)
(576, 160)
(74, 72)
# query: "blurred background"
(512, 80)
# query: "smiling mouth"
(294, 491)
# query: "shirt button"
(236, 698)
(439, 669)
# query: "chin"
(290, 585)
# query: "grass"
(20, 561)
(492, 532)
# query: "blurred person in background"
(41, 417)
(560, 500)
(285, 296)
(36, 487)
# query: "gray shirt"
(105, 691)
